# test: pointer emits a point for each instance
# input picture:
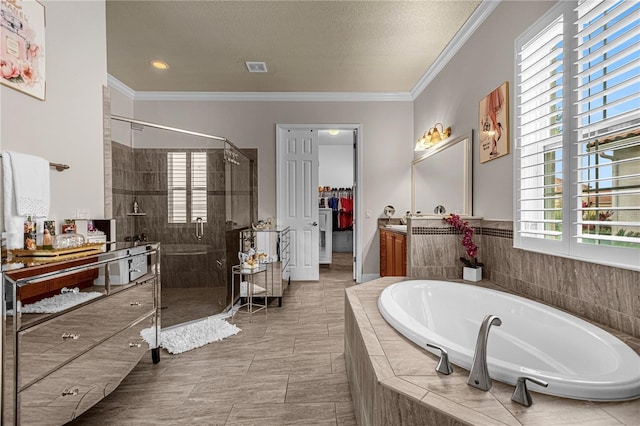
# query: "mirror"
(442, 177)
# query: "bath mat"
(190, 336)
(57, 303)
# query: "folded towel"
(31, 184)
(25, 178)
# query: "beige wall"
(67, 126)
(484, 62)
(386, 146)
(389, 128)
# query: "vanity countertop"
(401, 229)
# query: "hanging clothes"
(334, 203)
(345, 219)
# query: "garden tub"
(577, 359)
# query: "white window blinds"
(608, 123)
(198, 186)
(578, 133)
(187, 186)
(177, 186)
(540, 134)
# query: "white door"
(297, 182)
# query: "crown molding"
(114, 83)
(466, 31)
(274, 96)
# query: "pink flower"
(467, 238)
(8, 69)
(33, 50)
(27, 72)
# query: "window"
(578, 133)
(187, 198)
(198, 186)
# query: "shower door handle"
(199, 228)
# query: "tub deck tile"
(381, 367)
(455, 389)
(404, 387)
(407, 359)
(461, 412)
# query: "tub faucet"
(479, 375)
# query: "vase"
(472, 274)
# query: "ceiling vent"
(256, 66)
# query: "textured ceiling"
(308, 46)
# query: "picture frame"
(493, 119)
(22, 46)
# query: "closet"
(335, 196)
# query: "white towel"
(31, 183)
(25, 193)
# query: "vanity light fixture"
(432, 137)
(161, 65)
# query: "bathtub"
(576, 358)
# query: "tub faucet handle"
(444, 366)
(521, 394)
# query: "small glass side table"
(251, 276)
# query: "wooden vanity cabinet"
(393, 253)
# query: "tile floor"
(285, 369)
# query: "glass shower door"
(192, 285)
(194, 193)
(240, 204)
(177, 180)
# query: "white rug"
(57, 303)
(190, 336)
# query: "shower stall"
(193, 193)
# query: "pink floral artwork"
(22, 65)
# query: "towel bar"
(59, 167)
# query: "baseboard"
(368, 277)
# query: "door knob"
(314, 224)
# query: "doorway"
(317, 179)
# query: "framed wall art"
(494, 124)
(22, 65)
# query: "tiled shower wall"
(603, 294)
(122, 189)
(141, 174)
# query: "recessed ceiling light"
(334, 132)
(256, 66)
(161, 65)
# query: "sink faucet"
(479, 375)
